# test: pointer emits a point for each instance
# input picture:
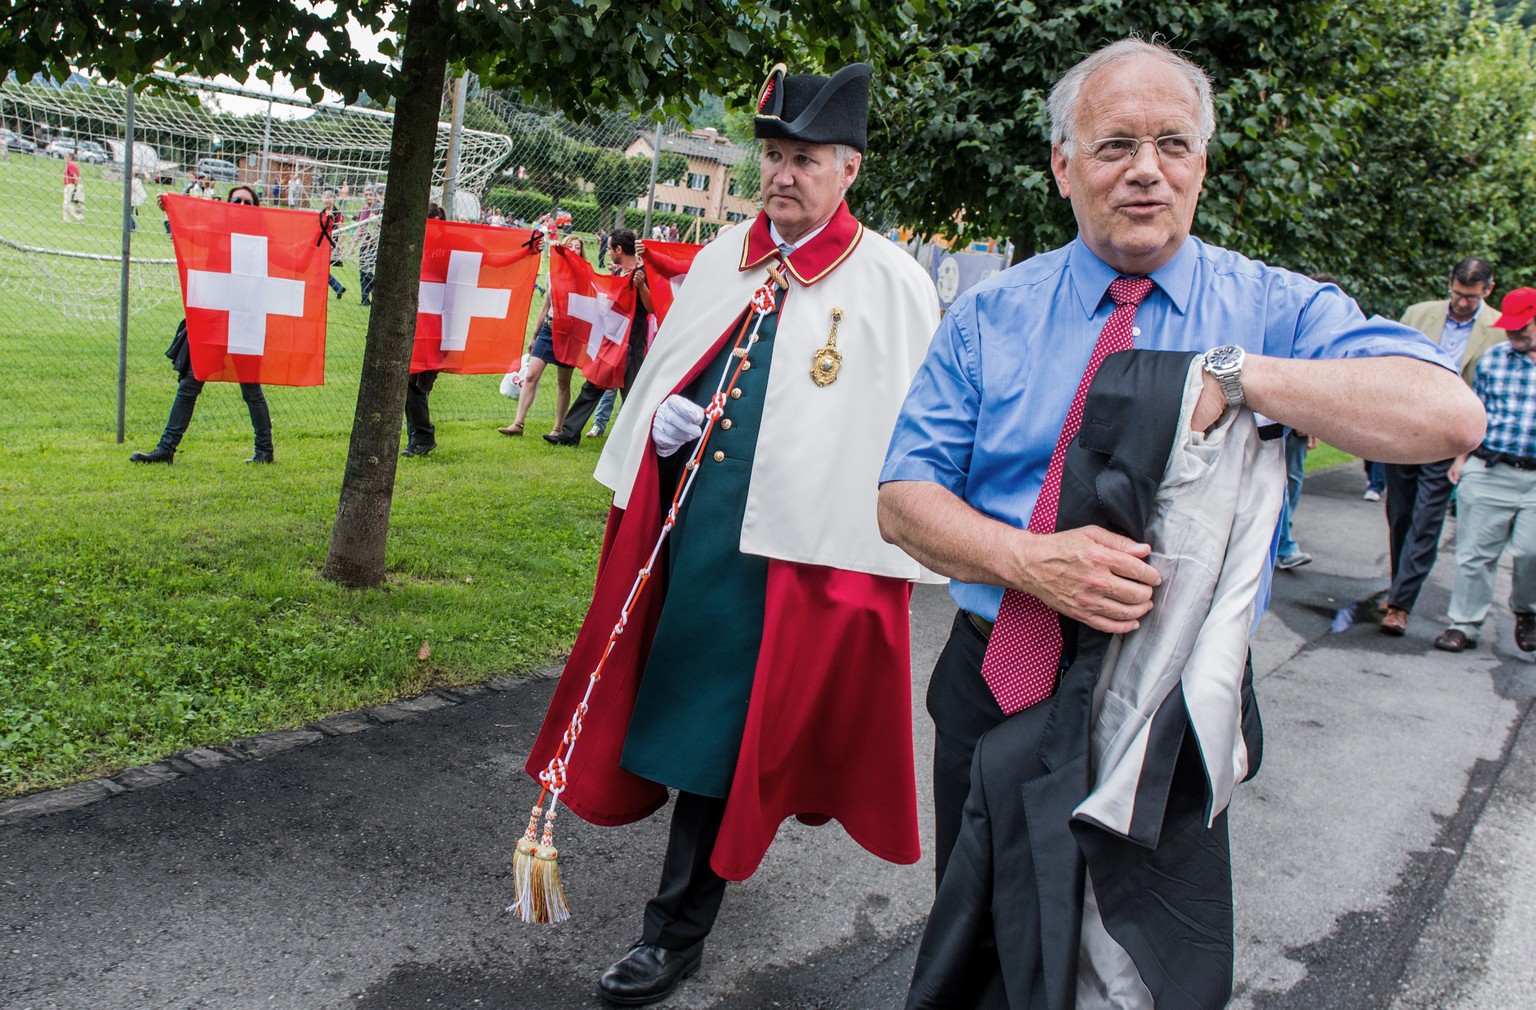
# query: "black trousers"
(418, 416)
(963, 709)
(689, 898)
(187, 392)
(586, 400)
(1418, 496)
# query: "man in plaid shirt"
(1496, 503)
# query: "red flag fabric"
(253, 282)
(592, 315)
(666, 264)
(476, 287)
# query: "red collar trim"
(814, 260)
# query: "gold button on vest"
(719, 455)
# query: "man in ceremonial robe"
(764, 669)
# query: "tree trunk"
(356, 557)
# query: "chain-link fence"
(61, 246)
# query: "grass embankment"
(146, 609)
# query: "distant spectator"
(74, 192)
(1375, 479)
(540, 356)
(1288, 554)
(367, 244)
(189, 388)
(1496, 486)
(136, 198)
(296, 190)
(602, 247)
(420, 432)
(333, 217)
(625, 264)
(1419, 495)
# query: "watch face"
(1222, 358)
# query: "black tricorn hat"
(815, 109)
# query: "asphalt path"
(1385, 857)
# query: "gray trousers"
(1496, 509)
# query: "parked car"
(217, 168)
(60, 147)
(91, 152)
(146, 161)
(16, 142)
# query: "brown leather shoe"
(1452, 640)
(1395, 622)
(1525, 632)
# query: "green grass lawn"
(1326, 456)
(146, 609)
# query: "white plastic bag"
(512, 382)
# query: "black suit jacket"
(1005, 925)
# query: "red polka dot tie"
(1025, 649)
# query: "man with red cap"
(763, 670)
(1496, 496)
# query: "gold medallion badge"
(827, 361)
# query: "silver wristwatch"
(1226, 366)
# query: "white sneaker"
(596, 432)
(1371, 495)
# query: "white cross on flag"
(476, 286)
(591, 317)
(253, 283)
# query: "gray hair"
(840, 155)
(1069, 89)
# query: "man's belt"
(1495, 458)
(981, 624)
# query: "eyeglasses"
(243, 199)
(1173, 147)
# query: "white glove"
(678, 421)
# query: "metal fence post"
(650, 200)
(122, 293)
(451, 179)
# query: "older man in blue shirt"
(970, 452)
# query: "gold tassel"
(540, 896)
(549, 904)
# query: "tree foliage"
(1335, 149)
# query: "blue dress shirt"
(1455, 336)
(987, 405)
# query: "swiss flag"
(476, 286)
(253, 281)
(666, 264)
(591, 317)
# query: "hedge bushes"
(530, 205)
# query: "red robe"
(828, 732)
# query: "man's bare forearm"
(1089, 574)
(1390, 409)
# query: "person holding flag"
(764, 671)
(626, 263)
(190, 387)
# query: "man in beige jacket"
(1419, 494)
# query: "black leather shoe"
(648, 973)
(561, 439)
(1453, 640)
(155, 455)
(417, 450)
(1525, 632)
(260, 457)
